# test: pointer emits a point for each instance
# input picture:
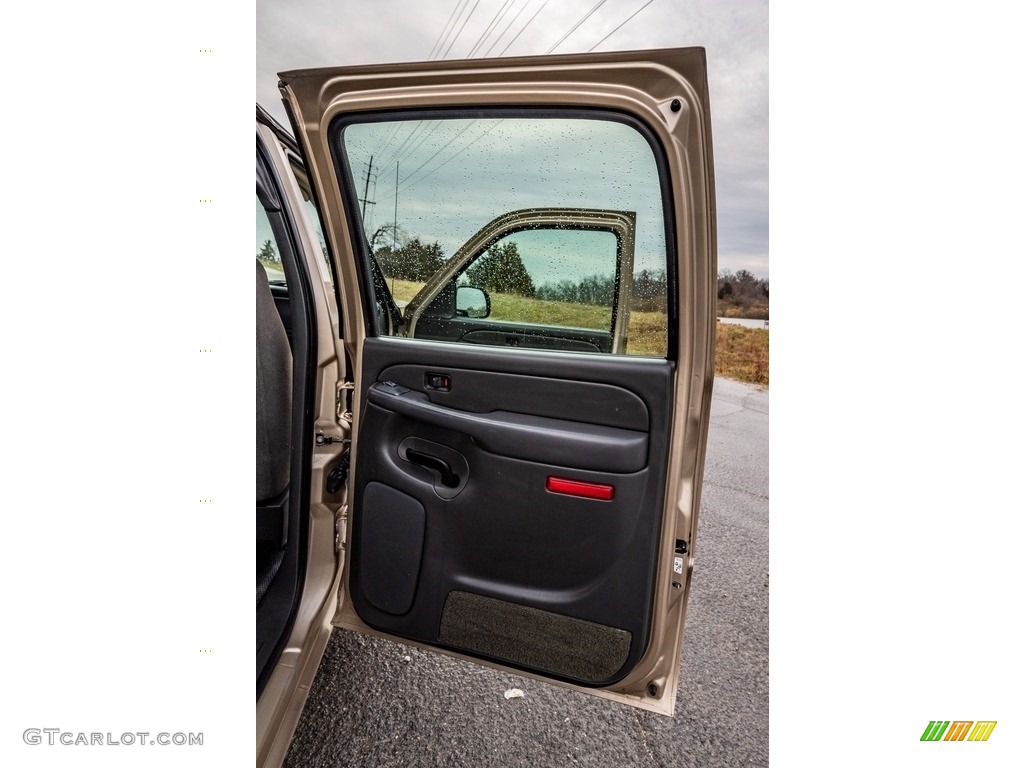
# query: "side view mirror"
(472, 302)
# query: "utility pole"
(394, 226)
(366, 189)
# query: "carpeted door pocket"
(530, 637)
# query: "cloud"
(320, 33)
(457, 175)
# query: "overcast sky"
(316, 33)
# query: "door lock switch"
(438, 382)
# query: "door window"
(449, 210)
(549, 276)
(267, 252)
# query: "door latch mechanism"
(343, 401)
(340, 529)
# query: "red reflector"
(579, 488)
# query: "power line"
(388, 138)
(385, 164)
(528, 23)
(426, 135)
(576, 25)
(620, 26)
(442, 35)
(497, 17)
(445, 55)
(439, 151)
(453, 155)
(501, 12)
(507, 26)
(411, 180)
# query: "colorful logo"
(958, 730)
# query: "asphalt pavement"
(376, 703)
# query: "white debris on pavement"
(515, 693)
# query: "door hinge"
(343, 401)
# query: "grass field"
(742, 353)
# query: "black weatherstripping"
(371, 276)
(275, 613)
(541, 565)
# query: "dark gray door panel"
(501, 567)
(564, 442)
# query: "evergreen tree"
(267, 253)
(501, 270)
(412, 261)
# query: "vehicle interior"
(285, 335)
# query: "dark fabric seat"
(273, 394)
(273, 434)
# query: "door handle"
(448, 476)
